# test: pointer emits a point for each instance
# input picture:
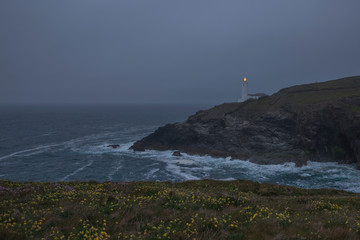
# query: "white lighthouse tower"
(245, 95)
(244, 91)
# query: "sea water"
(68, 143)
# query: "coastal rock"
(177, 154)
(317, 122)
(113, 146)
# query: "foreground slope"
(189, 210)
(318, 122)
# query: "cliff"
(318, 122)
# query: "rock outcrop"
(113, 146)
(318, 122)
(177, 154)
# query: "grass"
(203, 209)
(303, 96)
(296, 98)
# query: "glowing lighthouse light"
(244, 91)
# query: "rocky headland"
(317, 122)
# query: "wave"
(77, 170)
(21, 153)
(98, 149)
(44, 135)
(97, 143)
(118, 166)
(161, 165)
(151, 174)
(312, 175)
(90, 144)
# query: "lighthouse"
(245, 95)
(244, 91)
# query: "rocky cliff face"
(318, 122)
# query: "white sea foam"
(115, 169)
(312, 175)
(130, 132)
(24, 152)
(122, 148)
(33, 153)
(44, 135)
(101, 148)
(97, 143)
(227, 179)
(161, 165)
(150, 174)
(184, 161)
(77, 171)
(184, 174)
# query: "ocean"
(70, 143)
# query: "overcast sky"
(171, 51)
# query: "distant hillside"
(318, 122)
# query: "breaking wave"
(56, 155)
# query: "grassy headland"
(203, 209)
(317, 122)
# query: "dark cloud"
(184, 51)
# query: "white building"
(245, 95)
(244, 91)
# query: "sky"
(171, 51)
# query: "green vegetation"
(189, 210)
